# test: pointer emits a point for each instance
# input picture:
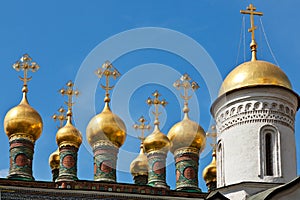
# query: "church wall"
(240, 156)
(288, 158)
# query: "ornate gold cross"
(156, 102)
(213, 135)
(70, 93)
(142, 126)
(251, 11)
(185, 83)
(60, 116)
(25, 63)
(107, 70)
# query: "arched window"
(220, 163)
(269, 155)
(270, 151)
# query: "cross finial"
(156, 102)
(185, 82)
(60, 116)
(142, 126)
(213, 135)
(251, 11)
(107, 70)
(70, 93)
(26, 64)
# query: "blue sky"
(70, 39)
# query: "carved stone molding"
(253, 112)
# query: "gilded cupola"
(23, 121)
(68, 135)
(54, 160)
(156, 140)
(186, 133)
(255, 72)
(139, 166)
(106, 126)
(209, 173)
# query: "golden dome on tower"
(210, 172)
(156, 141)
(254, 73)
(23, 121)
(187, 133)
(139, 166)
(54, 160)
(106, 126)
(68, 135)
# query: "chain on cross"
(251, 10)
(107, 70)
(213, 135)
(25, 64)
(70, 92)
(60, 116)
(142, 126)
(185, 83)
(156, 102)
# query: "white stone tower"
(255, 115)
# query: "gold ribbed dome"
(156, 141)
(23, 121)
(106, 126)
(254, 73)
(54, 160)
(139, 166)
(187, 133)
(210, 172)
(68, 135)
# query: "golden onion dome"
(139, 166)
(106, 126)
(210, 172)
(54, 160)
(156, 141)
(254, 73)
(23, 121)
(68, 135)
(187, 133)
